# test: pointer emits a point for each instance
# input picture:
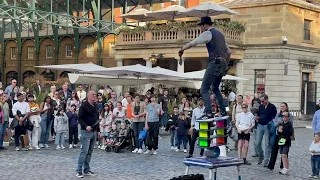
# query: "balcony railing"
(155, 37)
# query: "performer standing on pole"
(219, 56)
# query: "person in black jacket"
(170, 126)
(285, 131)
(11, 102)
(182, 126)
(89, 121)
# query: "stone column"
(239, 73)
(180, 67)
(147, 86)
(119, 89)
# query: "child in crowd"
(142, 139)
(182, 126)
(60, 127)
(170, 126)
(285, 131)
(113, 135)
(105, 124)
(315, 156)
(73, 126)
(122, 133)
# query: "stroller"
(127, 141)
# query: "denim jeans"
(212, 77)
(164, 119)
(59, 139)
(3, 128)
(173, 134)
(263, 131)
(315, 164)
(88, 140)
(254, 137)
(137, 128)
(45, 125)
(182, 139)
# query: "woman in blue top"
(284, 109)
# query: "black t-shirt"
(164, 101)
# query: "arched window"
(64, 74)
(11, 75)
(49, 75)
(28, 74)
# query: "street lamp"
(154, 58)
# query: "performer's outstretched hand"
(181, 52)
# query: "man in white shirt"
(20, 111)
(124, 100)
(231, 97)
(81, 93)
(219, 56)
(196, 114)
(244, 124)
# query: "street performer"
(219, 56)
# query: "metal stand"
(238, 169)
(187, 171)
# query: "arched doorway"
(64, 74)
(11, 75)
(28, 74)
(48, 75)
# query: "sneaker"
(62, 147)
(17, 149)
(58, 147)
(37, 148)
(315, 177)
(135, 150)
(284, 171)
(185, 151)
(79, 175)
(154, 152)
(46, 146)
(75, 146)
(189, 156)
(41, 146)
(260, 160)
(147, 152)
(246, 162)
(30, 148)
(103, 147)
(99, 147)
(140, 151)
(90, 173)
(70, 146)
(177, 150)
(172, 147)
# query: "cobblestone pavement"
(51, 164)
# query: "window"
(182, 3)
(307, 29)
(30, 52)
(13, 52)
(90, 50)
(48, 51)
(260, 81)
(68, 50)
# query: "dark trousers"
(137, 128)
(315, 164)
(195, 135)
(189, 137)
(18, 131)
(274, 154)
(73, 135)
(154, 133)
(182, 139)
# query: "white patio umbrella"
(207, 9)
(73, 67)
(168, 13)
(198, 75)
(139, 15)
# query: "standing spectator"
(16, 91)
(315, 156)
(170, 126)
(74, 100)
(46, 111)
(60, 127)
(139, 113)
(163, 101)
(105, 124)
(38, 88)
(35, 119)
(66, 92)
(255, 98)
(21, 112)
(129, 110)
(267, 112)
(232, 97)
(285, 131)
(52, 91)
(196, 114)
(81, 93)
(124, 101)
(152, 124)
(73, 126)
(237, 108)
(244, 124)
(89, 121)
(113, 99)
(100, 102)
(187, 110)
(181, 105)
(11, 102)
(119, 112)
(316, 122)
(182, 126)
(5, 122)
(254, 111)
(10, 88)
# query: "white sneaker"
(70, 146)
(62, 147)
(17, 149)
(30, 148)
(148, 152)
(81, 146)
(140, 151)
(284, 171)
(172, 147)
(154, 152)
(177, 150)
(46, 146)
(135, 150)
(103, 147)
(37, 147)
(99, 147)
(58, 147)
(75, 146)
(185, 151)
(41, 146)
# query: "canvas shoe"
(17, 149)
(185, 151)
(148, 152)
(46, 146)
(172, 147)
(62, 147)
(37, 147)
(30, 148)
(75, 146)
(135, 150)
(284, 171)
(79, 175)
(90, 173)
(154, 152)
(177, 150)
(58, 147)
(70, 146)
(140, 151)
(41, 146)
